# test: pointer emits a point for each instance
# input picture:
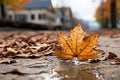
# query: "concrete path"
(51, 68)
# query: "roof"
(38, 4)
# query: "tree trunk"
(113, 13)
(3, 13)
(106, 23)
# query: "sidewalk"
(51, 68)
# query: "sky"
(81, 9)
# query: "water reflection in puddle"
(70, 71)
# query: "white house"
(41, 12)
(38, 12)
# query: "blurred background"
(61, 14)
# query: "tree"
(118, 7)
(118, 11)
(2, 6)
(15, 4)
(103, 14)
(113, 13)
(107, 13)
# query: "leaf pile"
(77, 45)
(25, 44)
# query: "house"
(41, 12)
(37, 12)
(65, 16)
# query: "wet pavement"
(51, 68)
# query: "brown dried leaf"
(28, 55)
(8, 60)
(39, 46)
(14, 71)
(28, 44)
(112, 55)
(22, 55)
(11, 50)
(115, 62)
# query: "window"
(23, 18)
(32, 16)
(42, 16)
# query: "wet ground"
(51, 68)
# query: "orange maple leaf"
(76, 46)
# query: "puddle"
(70, 71)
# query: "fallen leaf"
(14, 71)
(8, 60)
(19, 44)
(76, 45)
(21, 71)
(115, 36)
(11, 50)
(115, 62)
(28, 55)
(112, 55)
(48, 53)
(39, 46)
(1, 46)
(22, 55)
(26, 44)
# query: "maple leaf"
(76, 46)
